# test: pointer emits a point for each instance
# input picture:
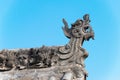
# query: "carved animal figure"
(72, 54)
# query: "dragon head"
(79, 29)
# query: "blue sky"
(33, 23)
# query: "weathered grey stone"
(68, 76)
(50, 63)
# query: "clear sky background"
(33, 23)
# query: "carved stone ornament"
(50, 63)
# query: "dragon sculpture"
(70, 56)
